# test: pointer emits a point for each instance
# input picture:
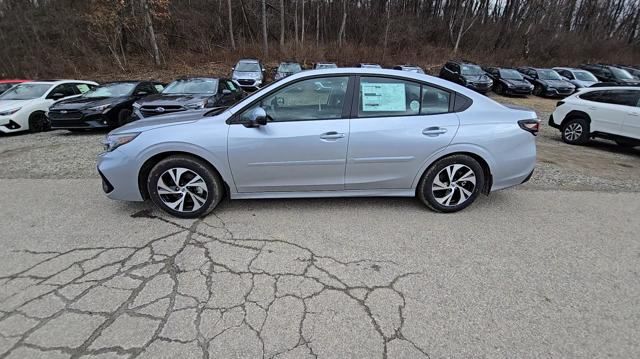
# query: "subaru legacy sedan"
(363, 132)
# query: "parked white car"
(24, 106)
(605, 112)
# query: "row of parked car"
(80, 105)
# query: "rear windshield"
(192, 86)
(248, 67)
(111, 90)
(292, 68)
(25, 92)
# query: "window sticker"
(231, 86)
(383, 97)
(83, 88)
(415, 106)
(159, 87)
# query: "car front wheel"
(451, 184)
(575, 131)
(185, 187)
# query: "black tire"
(499, 89)
(124, 117)
(38, 122)
(214, 186)
(426, 193)
(575, 131)
(537, 90)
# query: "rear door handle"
(331, 135)
(434, 131)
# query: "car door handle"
(434, 131)
(331, 135)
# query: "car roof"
(60, 82)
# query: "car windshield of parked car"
(111, 90)
(5, 87)
(370, 66)
(471, 70)
(584, 76)
(326, 66)
(621, 74)
(25, 92)
(548, 75)
(192, 86)
(289, 68)
(248, 67)
(510, 75)
(416, 70)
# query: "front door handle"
(331, 135)
(434, 131)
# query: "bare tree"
(282, 25)
(302, 26)
(152, 34)
(341, 33)
(265, 39)
(230, 17)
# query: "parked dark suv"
(547, 82)
(467, 74)
(508, 81)
(189, 94)
(611, 75)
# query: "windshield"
(510, 75)
(584, 76)
(621, 74)
(371, 66)
(25, 92)
(548, 75)
(472, 70)
(292, 68)
(326, 66)
(111, 90)
(192, 86)
(248, 67)
(414, 69)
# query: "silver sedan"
(329, 133)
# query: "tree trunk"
(386, 30)
(233, 41)
(282, 24)
(295, 22)
(318, 25)
(343, 24)
(152, 35)
(302, 26)
(265, 40)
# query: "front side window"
(64, 90)
(380, 97)
(25, 92)
(307, 100)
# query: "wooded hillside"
(41, 38)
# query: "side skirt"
(327, 194)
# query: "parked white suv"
(23, 107)
(605, 112)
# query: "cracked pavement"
(522, 273)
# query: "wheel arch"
(146, 167)
(486, 168)
(575, 114)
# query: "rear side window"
(381, 97)
(595, 96)
(434, 101)
(622, 97)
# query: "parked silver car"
(249, 74)
(579, 78)
(363, 132)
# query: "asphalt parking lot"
(546, 270)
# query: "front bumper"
(119, 176)
(88, 121)
(480, 87)
(249, 84)
(9, 125)
(558, 92)
(518, 90)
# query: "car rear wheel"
(451, 184)
(537, 90)
(500, 89)
(38, 122)
(575, 131)
(185, 187)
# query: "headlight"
(195, 106)
(100, 108)
(112, 142)
(10, 112)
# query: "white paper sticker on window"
(383, 97)
(83, 88)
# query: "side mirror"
(257, 118)
(142, 93)
(564, 78)
(264, 70)
(57, 96)
(233, 68)
(226, 92)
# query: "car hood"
(247, 75)
(173, 99)
(629, 81)
(557, 83)
(11, 104)
(477, 78)
(81, 103)
(153, 122)
(515, 82)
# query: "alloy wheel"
(573, 132)
(182, 189)
(453, 185)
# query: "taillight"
(531, 126)
(559, 103)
